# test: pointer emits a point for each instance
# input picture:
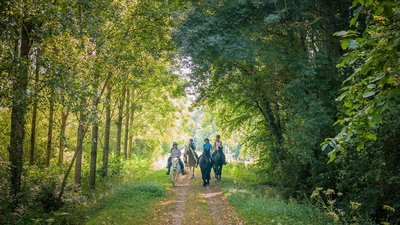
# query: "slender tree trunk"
(18, 112)
(93, 155)
(50, 129)
(34, 114)
(119, 122)
(131, 117)
(95, 134)
(271, 119)
(64, 117)
(127, 114)
(65, 178)
(78, 163)
(107, 131)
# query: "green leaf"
(368, 94)
(344, 43)
(341, 33)
(332, 156)
(360, 146)
(371, 136)
(353, 44)
(393, 81)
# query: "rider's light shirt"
(175, 153)
(217, 145)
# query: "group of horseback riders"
(209, 151)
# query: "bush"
(48, 197)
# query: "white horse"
(176, 170)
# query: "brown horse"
(190, 158)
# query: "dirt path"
(190, 203)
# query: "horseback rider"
(207, 149)
(218, 146)
(192, 148)
(175, 153)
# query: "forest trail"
(191, 203)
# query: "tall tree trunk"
(65, 178)
(93, 155)
(78, 163)
(34, 113)
(131, 117)
(50, 129)
(93, 150)
(127, 114)
(107, 131)
(64, 117)
(18, 112)
(119, 122)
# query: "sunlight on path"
(192, 204)
(182, 192)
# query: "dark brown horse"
(218, 163)
(205, 167)
(190, 159)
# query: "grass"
(114, 201)
(132, 203)
(259, 204)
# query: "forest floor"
(191, 203)
(235, 200)
(153, 200)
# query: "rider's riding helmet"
(218, 137)
(174, 144)
(205, 140)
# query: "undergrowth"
(261, 204)
(130, 183)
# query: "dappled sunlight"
(212, 194)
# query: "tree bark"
(131, 117)
(93, 155)
(93, 151)
(119, 122)
(34, 114)
(50, 129)
(272, 120)
(107, 131)
(64, 117)
(127, 114)
(79, 144)
(65, 178)
(18, 112)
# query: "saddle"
(207, 158)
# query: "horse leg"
(220, 173)
(203, 176)
(208, 176)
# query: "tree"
(372, 89)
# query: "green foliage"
(132, 202)
(266, 70)
(136, 184)
(372, 88)
(259, 204)
(48, 197)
